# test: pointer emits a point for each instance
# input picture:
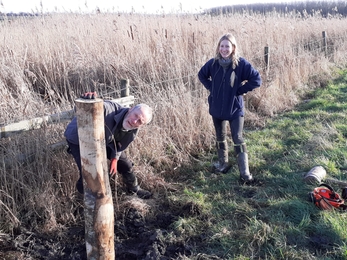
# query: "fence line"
(126, 100)
(308, 47)
(38, 122)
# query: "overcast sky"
(143, 6)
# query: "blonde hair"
(234, 55)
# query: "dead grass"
(48, 61)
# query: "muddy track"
(137, 236)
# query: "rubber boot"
(222, 166)
(133, 188)
(242, 161)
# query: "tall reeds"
(48, 61)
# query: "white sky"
(143, 6)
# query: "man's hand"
(113, 166)
(89, 95)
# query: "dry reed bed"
(48, 61)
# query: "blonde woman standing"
(228, 77)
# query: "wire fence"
(267, 64)
(272, 59)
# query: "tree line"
(303, 8)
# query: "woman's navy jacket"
(226, 102)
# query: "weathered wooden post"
(124, 87)
(98, 212)
(325, 47)
(267, 58)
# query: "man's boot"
(242, 161)
(141, 193)
(130, 181)
(222, 166)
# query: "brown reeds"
(49, 61)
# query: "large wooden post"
(98, 212)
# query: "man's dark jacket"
(114, 114)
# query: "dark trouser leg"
(236, 127)
(221, 146)
(74, 150)
(125, 168)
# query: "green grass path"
(274, 219)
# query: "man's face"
(135, 118)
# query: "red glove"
(89, 95)
(113, 166)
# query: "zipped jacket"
(226, 93)
(114, 114)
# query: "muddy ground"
(139, 234)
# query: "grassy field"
(293, 122)
(274, 219)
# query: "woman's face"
(225, 48)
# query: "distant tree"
(303, 8)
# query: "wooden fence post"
(98, 211)
(267, 58)
(324, 47)
(124, 87)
